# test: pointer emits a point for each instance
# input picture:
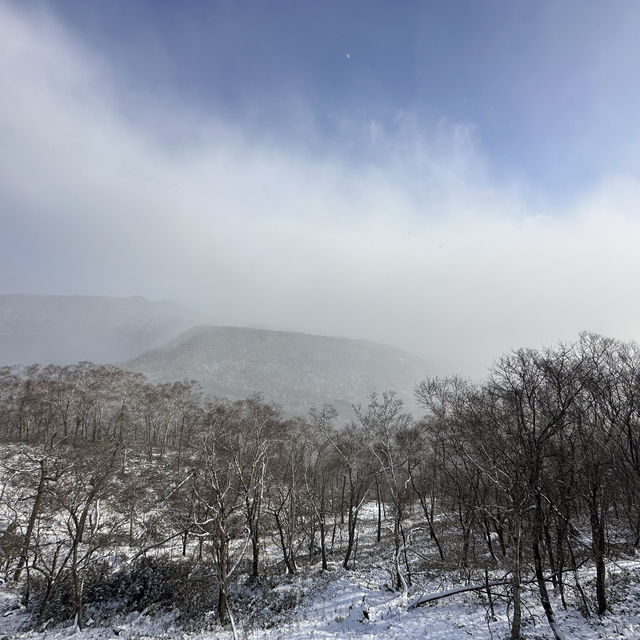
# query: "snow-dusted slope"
(296, 370)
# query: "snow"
(358, 604)
(335, 603)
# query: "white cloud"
(417, 247)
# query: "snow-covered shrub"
(268, 602)
(60, 606)
(150, 584)
(162, 584)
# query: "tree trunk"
(540, 529)
(351, 533)
(598, 548)
(255, 549)
(542, 589)
(35, 512)
(222, 558)
(516, 621)
(379, 499)
(223, 604)
(323, 526)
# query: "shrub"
(149, 584)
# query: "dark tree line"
(529, 473)
(545, 449)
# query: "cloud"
(400, 236)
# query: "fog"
(413, 242)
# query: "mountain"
(296, 370)
(66, 329)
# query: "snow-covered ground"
(357, 604)
(333, 606)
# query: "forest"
(119, 495)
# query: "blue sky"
(456, 178)
(548, 87)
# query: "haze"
(455, 179)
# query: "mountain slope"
(296, 370)
(65, 329)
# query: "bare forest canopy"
(530, 473)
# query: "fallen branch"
(432, 597)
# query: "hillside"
(65, 329)
(296, 370)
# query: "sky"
(454, 178)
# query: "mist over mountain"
(66, 329)
(296, 370)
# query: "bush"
(164, 585)
(267, 602)
(149, 584)
(61, 606)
